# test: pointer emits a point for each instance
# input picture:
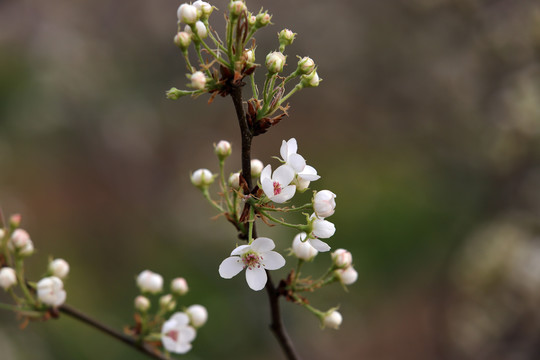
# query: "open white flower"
(320, 229)
(276, 186)
(177, 334)
(256, 258)
(50, 291)
(304, 173)
(302, 248)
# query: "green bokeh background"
(425, 126)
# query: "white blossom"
(59, 268)
(304, 173)
(255, 258)
(324, 203)
(142, 303)
(177, 334)
(198, 315)
(236, 8)
(276, 186)
(347, 276)
(223, 149)
(179, 286)
(204, 8)
(21, 243)
(50, 291)
(342, 258)
(187, 13)
(306, 65)
(202, 178)
(320, 229)
(182, 39)
(333, 319)
(310, 80)
(256, 167)
(8, 278)
(198, 80)
(302, 248)
(149, 281)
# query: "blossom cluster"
(175, 329)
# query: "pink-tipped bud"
(8, 278)
(223, 149)
(182, 40)
(142, 303)
(179, 286)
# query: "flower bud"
(198, 80)
(167, 303)
(302, 249)
(252, 19)
(262, 19)
(20, 243)
(8, 278)
(197, 314)
(275, 62)
(332, 319)
(202, 32)
(179, 286)
(187, 13)
(324, 203)
(347, 276)
(310, 80)
(15, 220)
(286, 37)
(2, 233)
(305, 65)
(204, 8)
(149, 281)
(249, 56)
(236, 8)
(187, 29)
(234, 181)
(256, 168)
(50, 291)
(182, 39)
(59, 268)
(342, 258)
(142, 303)
(223, 149)
(202, 178)
(175, 94)
(320, 228)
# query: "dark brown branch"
(76, 314)
(276, 324)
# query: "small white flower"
(342, 258)
(8, 278)
(223, 149)
(302, 248)
(50, 291)
(187, 13)
(142, 303)
(198, 80)
(333, 319)
(275, 61)
(202, 178)
(302, 179)
(347, 276)
(202, 32)
(324, 203)
(304, 173)
(176, 334)
(179, 286)
(276, 186)
(256, 167)
(59, 268)
(149, 281)
(234, 181)
(255, 258)
(322, 229)
(198, 315)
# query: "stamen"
(277, 188)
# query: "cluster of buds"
(273, 191)
(34, 299)
(174, 326)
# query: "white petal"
(292, 146)
(283, 175)
(268, 186)
(323, 229)
(309, 174)
(186, 334)
(262, 244)
(179, 348)
(230, 267)
(319, 245)
(286, 194)
(266, 173)
(240, 250)
(297, 162)
(272, 260)
(256, 278)
(283, 150)
(179, 318)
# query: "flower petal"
(230, 267)
(256, 278)
(186, 334)
(180, 348)
(283, 175)
(323, 228)
(292, 146)
(266, 173)
(309, 173)
(180, 318)
(262, 244)
(283, 150)
(267, 186)
(272, 260)
(240, 250)
(319, 245)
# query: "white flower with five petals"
(276, 186)
(177, 334)
(304, 174)
(256, 259)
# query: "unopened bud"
(187, 13)
(142, 303)
(182, 39)
(202, 32)
(223, 149)
(249, 56)
(20, 243)
(198, 80)
(347, 276)
(262, 19)
(324, 203)
(251, 19)
(149, 281)
(15, 220)
(310, 80)
(202, 178)
(8, 278)
(236, 8)
(175, 94)
(256, 168)
(179, 286)
(197, 314)
(234, 181)
(59, 268)
(332, 319)
(167, 303)
(305, 65)
(286, 37)
(275, 61)
(204, 8)
(302, 249)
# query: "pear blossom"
(187, 13)
(177, 334)
(142, 303)
(204, 8)
(324, 203)
(234, 181)
(21, 243)
(149, 281)
(322, 229)
(342, 258)
(50, 291)
(302, 179)
(305, 65)
(198, 80)
(256, 167)
(202, 32)
(255, 258)
(59, 268)
(332, 319)
(347, 276)
(275, 61)
(179, 286)
(276, 186)
(236, 8)
(303, 249)
(182, 39)
(304, 173)
(223, 149)
(198, 315)
(8, 278)
(202, 178)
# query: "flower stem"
(300, 227)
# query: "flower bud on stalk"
(347, 276)
(202, 178)
(204, 9)
(182, 39)
(201, 29)
(275, 61)
(236, 8)
(198, 315)
(306, 65)
(332, 319)
(50, 291)
(15, 221)
(249, 56)
(167, 303)
(187, 13)
(302, 249)
(342, 258)
(142, 303)
(256, 168)
(252, 19)
(286, 37)
(223, 149)
(234, 181)
(324, 203)
(310, 80)
(8, 278)
(198, 80)
(149, 281)
(59, 268)
(175, 94)
(20, 243)
(262, 19)
(179, 286)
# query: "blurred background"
(426, 126)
